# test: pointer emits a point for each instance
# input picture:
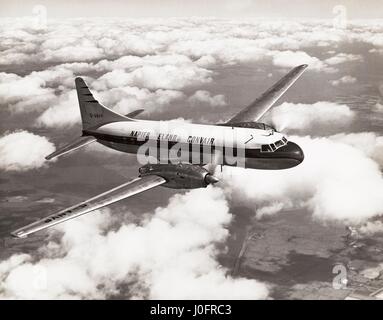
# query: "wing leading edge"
(261, 105)
(123, 191)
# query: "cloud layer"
(149, 61)
(339, 180)
(170, 254)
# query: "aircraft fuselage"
(257, 148)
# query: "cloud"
(227, 41)
(378, 107)
(157, 54)
(344, 80)
(130, 63)
(337, 181)
(37, 91)
(321, 115)
(343, 57)
(294, 58)
(204, 97)
(127, 99)
(170, 254)
(156, 77)
(22, 150)
(371, 228)
(368, 142)
(83, 51)
(15, 91)
(65, 113)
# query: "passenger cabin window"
(266, 148)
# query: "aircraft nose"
(294, 151)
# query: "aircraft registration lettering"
(63, 214)
(95, 115)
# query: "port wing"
(123, 191)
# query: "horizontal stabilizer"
(74, 145)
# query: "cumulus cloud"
(127, 99)
(368, 142)
(336, 181)
(344, 80)
(306, 117)
(129, 63)
(156, 77)
(170, 254)
(294, 58)
(210, 40)
(22, 150)
(371, 228)
(378, 107)
(83, 50)
(16, 90)
(344, 57)
(205, 97)
(158, 54)
(65, 113)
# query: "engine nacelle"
(180, 176)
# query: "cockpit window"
(274, 146)
(279, 143)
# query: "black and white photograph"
(191, 150)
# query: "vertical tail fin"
(93, 113)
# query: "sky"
(355, 9)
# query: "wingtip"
(18, 234)
(50, 156)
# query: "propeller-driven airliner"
(179, 155)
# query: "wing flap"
(123, 191)
(260, 106)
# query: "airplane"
(202, 146)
